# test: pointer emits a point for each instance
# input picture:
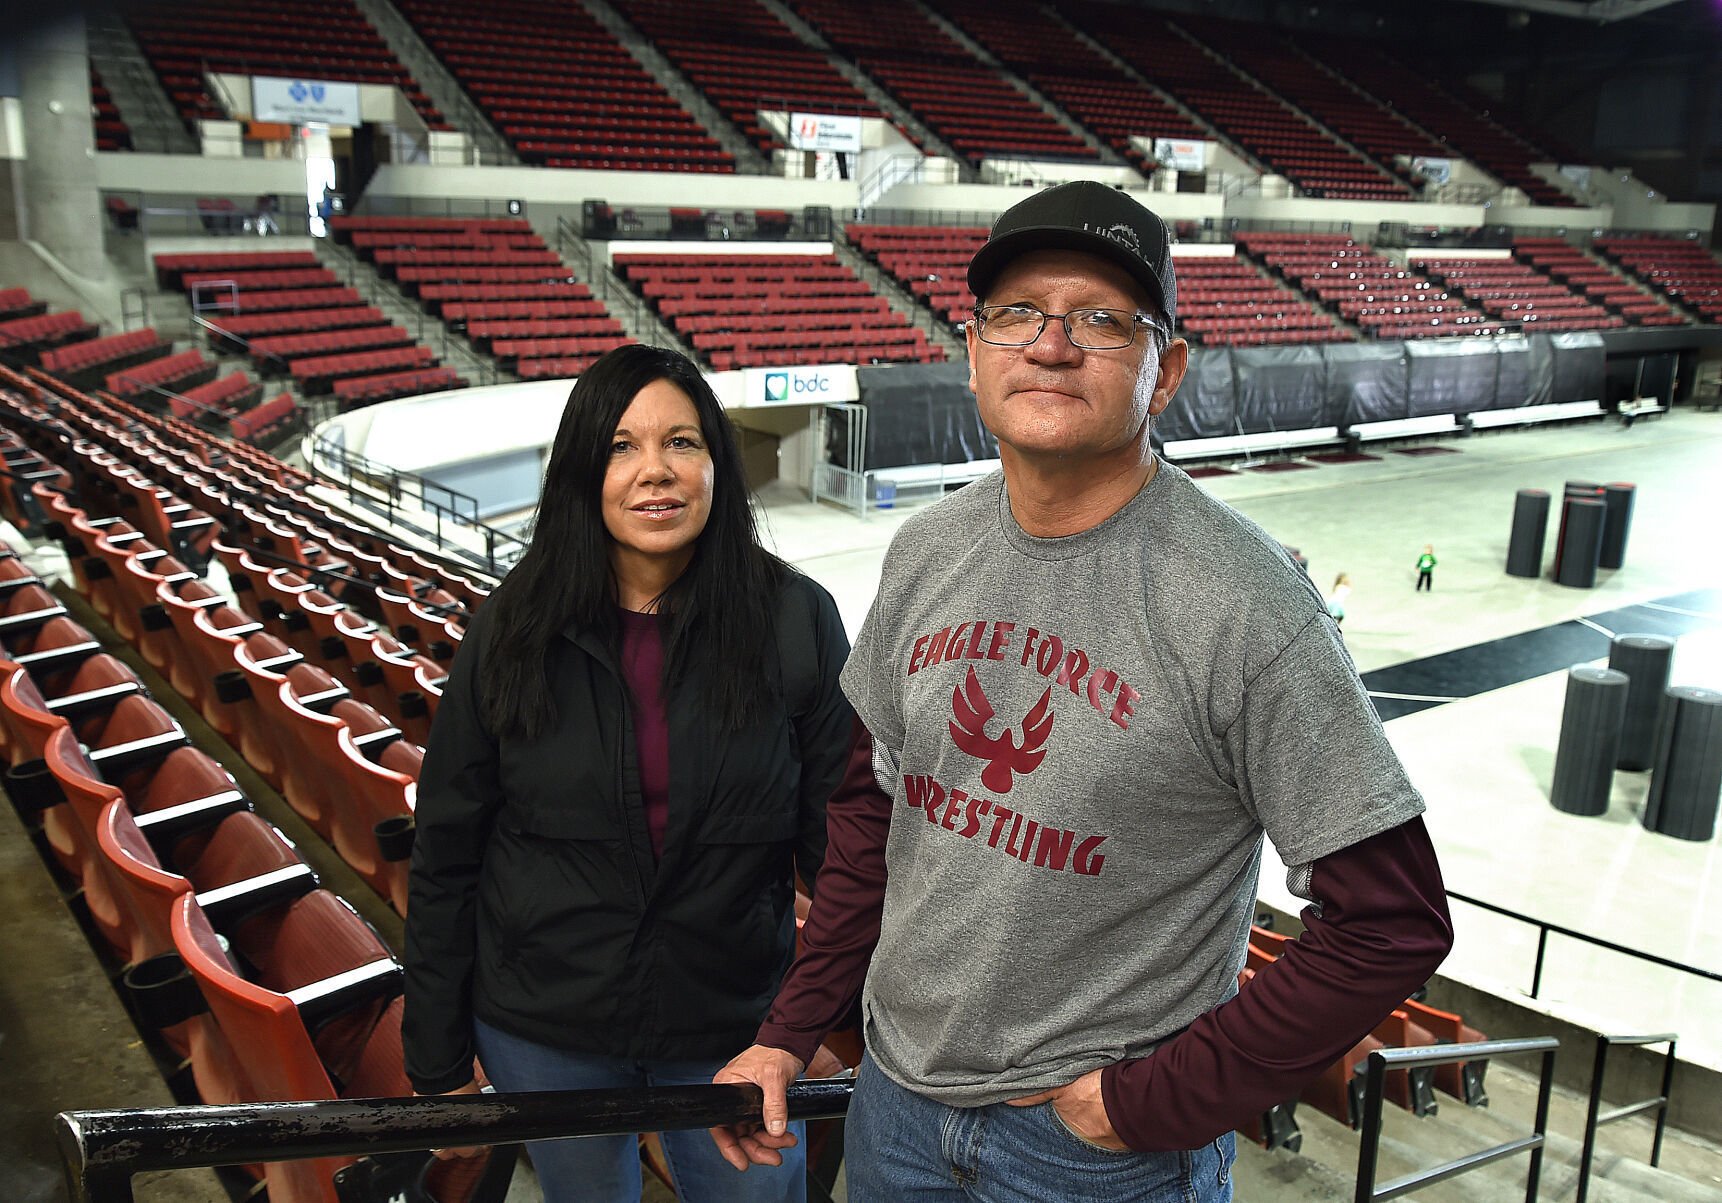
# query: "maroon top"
(1382, 929)
(643, 669)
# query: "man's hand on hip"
(752, 1143)
(1081, 1108)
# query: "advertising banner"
(824, 131)
(304, 101)
(1181, 154)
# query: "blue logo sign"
(298, 91)
(776, 386)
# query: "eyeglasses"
(1090, 329)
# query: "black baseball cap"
(1083, 216)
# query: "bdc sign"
(810, 385)
(797, 386)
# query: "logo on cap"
(1120, 232)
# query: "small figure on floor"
(1426, 568)
(1336, 598)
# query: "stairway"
(748, 160)
(901, 300)
(1324, 1170)
(156, 126)
(401, 310)
(622, 302)
(438, 83)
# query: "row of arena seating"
(134, 364)
(1338, 1092)
(1072, 73)
(526, 59)
(567, 326)
(1582, 272)
(794, 292)
(296, 996)
(1517, 292)
(112, 133)
(317, 39)
(1684, 271)
(1265, 126)
(745, 60)
(962, 100)
(586, 102)
(330, 339)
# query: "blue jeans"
(606, 1169)
(903, 1148)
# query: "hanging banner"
(1181, 154)
(304, 101)
(1436, 171)
(824, 131)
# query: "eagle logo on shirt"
(1005, 757)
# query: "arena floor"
(1484, 760)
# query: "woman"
(629, 764)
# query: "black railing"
(1383, 1059)
(103, 1149)
(1596, 1117)
(1544, 928)
(386, 490)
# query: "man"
(1088, 689)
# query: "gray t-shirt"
(1085, 738)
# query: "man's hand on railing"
(471, 1150)
(772, 1070)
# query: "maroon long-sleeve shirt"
(1379, 929)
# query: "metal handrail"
(1447, 1054)
(1596, 1117)
(327, 456)
(103, 1149)
(1544, 927)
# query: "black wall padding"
(1578, 359)
(1206, 405)
(920, 414)
(924, 413)
(1450, 376)
(1512, 371)
(1365, 382)
(1281, 388)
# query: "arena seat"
(82, 701)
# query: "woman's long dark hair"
(718, 614)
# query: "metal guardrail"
(1544, 928)
(388, 489)
(103, 1149)
(1596, 1117)
(1381, 1060)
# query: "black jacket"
(535, 903)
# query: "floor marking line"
(1595, 626)
(1411, 697)
(1678, 610)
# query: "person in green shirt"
(1426, 568)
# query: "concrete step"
(144, 106)
(1325, 1167)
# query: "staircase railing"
(1544, 928)
(1429, 1056)
(388, 491)
(1596, 1117)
